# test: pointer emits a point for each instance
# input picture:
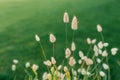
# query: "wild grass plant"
(91, 65)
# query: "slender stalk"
(53, 49)
(66, 36)
(101, 34)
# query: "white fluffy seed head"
(34, 67)
(66, 18)
(27, 64)
(52, 38)
(72, 61)
(104, 54)
(66, 69)
(102, 74)
(59, 67)
(106, 44)
(47, 63)
(81, 54)
(93, 41)
(100, 45)
(15, 61)
(105, 66)
(74, 24)
(99, 28)
(13, 67)
(37, 38)
(89, 41)
(73, 47)
(67, 53)
(98, 60)
(114, 51)
(53, 60)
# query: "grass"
(20, 20)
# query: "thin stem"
(66, 36)
(73, 35)
(53, 49)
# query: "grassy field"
(20, 20)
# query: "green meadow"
(20, 20)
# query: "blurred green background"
(20, 20)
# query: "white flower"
(59, 67)
(37, 38)
(102, 74)
(89, 61)
(114, 51)
(53, 60)
(44, 76)
(27, 64)
(88, 73)
(61, 76)
(68, 53)
(104, 54)
(66, 18)
(100, 45)
(66, 69)
(83, 72)
(105, 66)
(99, 28)
(72, 61)
(95, 50)
(98, 60)
(79, 70)
(47, 63)
(34, 67)
(73, 47)
(13, 67)
(74, 24)
(52, 38)
(79, 61)
(100, 51)
(49, 76)
(81, 54)
(15, 61)
(106, 44)
(93, 41)
(74, 72)
(89, 41)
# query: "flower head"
(99, 28)
(15, 61)
(47, 63)
(13, 67)
(53, 60)
(73, 47)
(66, 18)
(72, 61)
(34, 67)
(27, 64)
(68, 53)
(52, 38)
(37, 38)
(114, 51)
(74, 24)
